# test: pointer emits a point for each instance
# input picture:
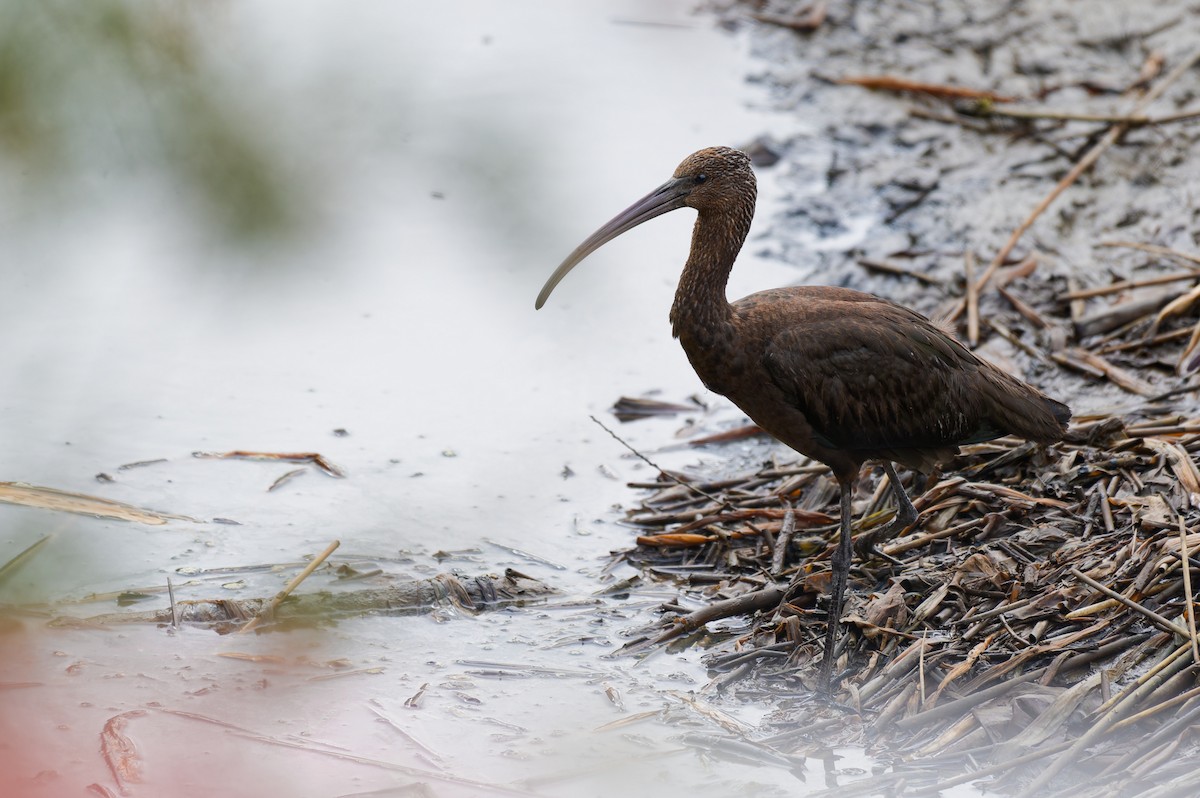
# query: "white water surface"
(450, 155)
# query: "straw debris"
(1034, 629)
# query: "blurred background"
(246, 226)
(315, 227)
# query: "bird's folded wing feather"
(877, 376)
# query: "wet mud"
(923, 180)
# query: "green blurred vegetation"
(128, 89)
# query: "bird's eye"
(700, 178)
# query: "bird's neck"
(701, 307)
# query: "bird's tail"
(1027, 411)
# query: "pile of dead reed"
(1035, 625)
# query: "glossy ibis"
(838, 375)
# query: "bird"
(841, 376)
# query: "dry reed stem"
(22, 557)
(647, 461)
(804, 22)
(1186, 362)
(282, 595)
(1126, 285)
(1141, 343)
(747, 603)
(1148, 680)
(1179, 305)
(972, 298)
(887, 267)
(1000, 767)
(940, 90)
(1049, 114)
(1157, 619)
(1154, 249)
(174, 606)
(1111, 137)
(1024, 308)
(1109, 715)
(1187, 591)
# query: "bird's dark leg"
(867, 544)
(837, 589)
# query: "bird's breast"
(716, 356)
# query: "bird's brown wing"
(879, 379)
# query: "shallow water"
(446, 157)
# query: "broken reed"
(1002, 593)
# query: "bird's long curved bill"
(667, 197)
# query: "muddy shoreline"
(997, 651)
(931, 179)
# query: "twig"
(921, 672)
(1132, 120)
(1174, 391)
(1154, 710)
(1116, 288)
(528, 555)
(972, 298)
(723, 719)
(749, 602)
(1012, 338)
(1077, 306)
(344, 756)
(1187, 589)
(1125, 35)
(1119, 318)
(292, 585)
(783, 541)
(1166, 737)
(953, 708)
(789, 516)
(1110, 138)
(904, 546)
(287, 477)
(317, 459)
(939, 90)
(1024, 308)
(1160, 428)
(1157, 619)
(887, 267)
(649, 462)
(429, 752)
(1153, 248)
(1091, 363)
(805, 22)
(67, 501)
(1151, 68)
(1162, 337)
(950, 119)
(1187, 361)
(174, 606)
(739, 434)
(1023, 269)
(1006, 765)
(1180, 304)
(16, 562)
(1116, 709)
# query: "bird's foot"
(866, 545)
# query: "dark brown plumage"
(838, 375)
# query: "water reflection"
(446, 156)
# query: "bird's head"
(710, 179)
